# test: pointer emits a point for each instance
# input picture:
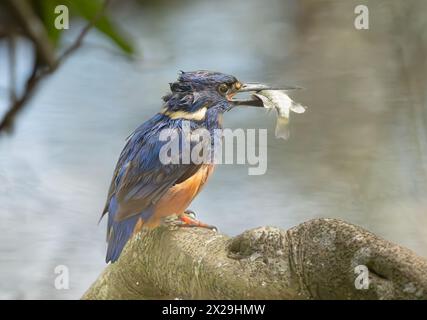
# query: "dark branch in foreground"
(314, 260)
(45, 63)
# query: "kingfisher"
(144, 189)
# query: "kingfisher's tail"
(119, 232)
(118, 236)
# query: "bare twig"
(39, 71)
(17, 105)
(12, 67)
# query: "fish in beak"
(272, 98)
(254, 88)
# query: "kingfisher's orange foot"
(188, 219)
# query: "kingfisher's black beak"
(256, 87)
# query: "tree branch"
(314, 260)
(44, 53)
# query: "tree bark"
(317, 259)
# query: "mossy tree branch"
(314, 260)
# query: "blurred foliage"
(86, 9)
(44, 12)
(34, 20)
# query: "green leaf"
(45, 9)
(88, 9)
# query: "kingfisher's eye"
(223, 88)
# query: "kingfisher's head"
(197, 92)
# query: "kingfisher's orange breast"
(179, 197)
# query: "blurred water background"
(358, 153)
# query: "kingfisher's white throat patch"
(196, 115)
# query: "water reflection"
(358, 153)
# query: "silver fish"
(283, 104)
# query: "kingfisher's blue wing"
(140, 178)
